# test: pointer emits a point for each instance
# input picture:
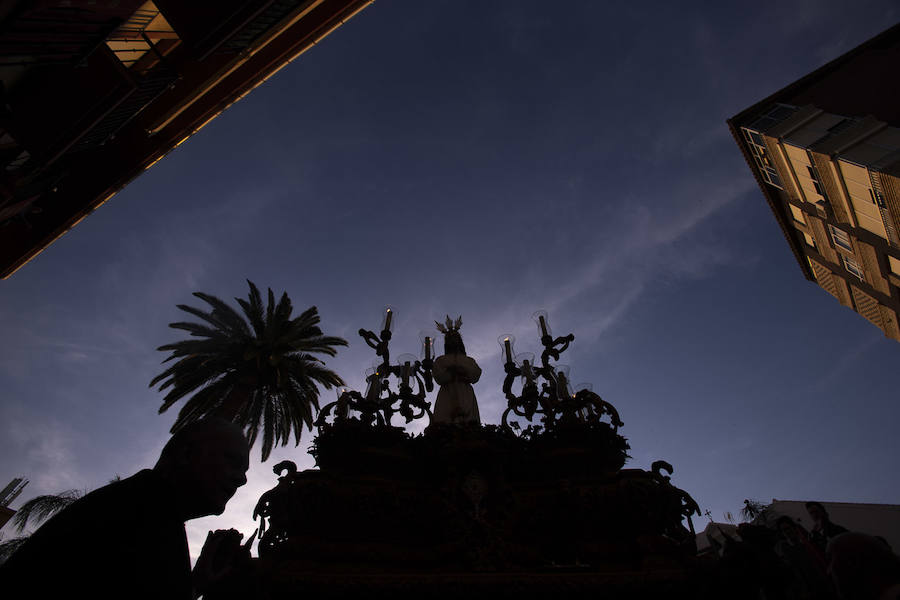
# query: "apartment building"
(94, 93)
(825, 151)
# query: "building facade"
(825, 151)
(94, 93)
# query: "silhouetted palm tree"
(257, 369)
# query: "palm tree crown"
(257, 369)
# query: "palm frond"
(268, 430)
(320, 344)
(304, 398)
(315, 370)
(196, 329)
(205, 402)
(270, 312)
(170, 376)
(254, 417)
(41, 508)
(202, 314)
(10, 546)
(191, 383)
(205, 347)
(253, 309)
(225, 313)
(284, 309)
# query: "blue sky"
(488, 160)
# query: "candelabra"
(555, 400)
(379, 402)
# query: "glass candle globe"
(543, 322)
(427, 350)
(387, 318)
(507, 352)
(407, 364)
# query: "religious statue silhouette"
(455, 373)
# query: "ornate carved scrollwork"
(554, 401)
(688, 507)
(276, 502)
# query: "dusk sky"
(485, 159)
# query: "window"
(809, 239)
(760, 154)
(797, 214)
(141, 41)
(814, 175)
(852, 267)
(894, 265)
(840, 238)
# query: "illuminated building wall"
(825, 151)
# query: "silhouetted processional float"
(537, 502)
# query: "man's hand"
(221, 556)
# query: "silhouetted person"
(863, 568)
(127, 539)
(823, 529)
(806, 560)
(762, 570)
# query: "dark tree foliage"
(10, 546)
(753, 509)
(258, 369)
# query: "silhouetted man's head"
(817, 512)
(788, 528)
(207, 462)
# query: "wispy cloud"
(47, 456)
(846, 361)
(651, 242)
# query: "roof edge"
(831, 65)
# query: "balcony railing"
(54, 35)
(886, 217)
(149, 86)
(267, 18)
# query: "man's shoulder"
(110, 506)
(142, 482)
(834, 529)
(118, 534)
(73, 530)
(136, 488)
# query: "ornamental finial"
(449, 325)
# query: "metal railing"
(886, 217)
(54, 36)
